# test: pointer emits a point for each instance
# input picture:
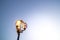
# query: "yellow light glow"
(18, 22)
(20, 25)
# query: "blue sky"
(42, 18)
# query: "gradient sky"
(42, 18)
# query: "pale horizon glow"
(43, 29)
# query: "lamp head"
(20, 26)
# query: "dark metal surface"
(18, 36)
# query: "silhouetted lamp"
(20, 27)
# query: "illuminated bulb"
(20, 25)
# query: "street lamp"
(20, 27)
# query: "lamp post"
(20, 27)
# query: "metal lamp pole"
(18, 36)
(20, 27)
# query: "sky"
(42, 18)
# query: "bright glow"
(18, 23)
(42, 29)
